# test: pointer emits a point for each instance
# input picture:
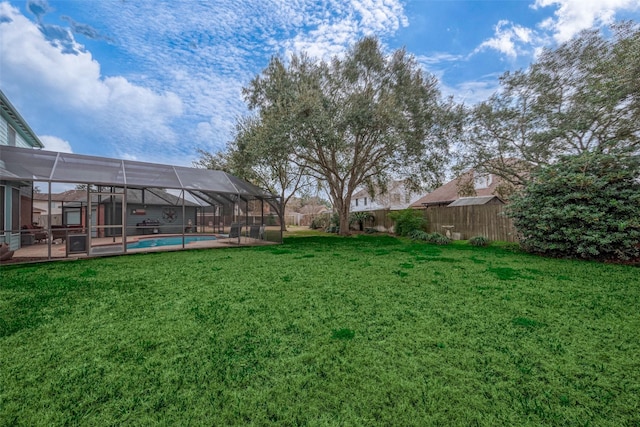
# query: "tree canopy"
(583, 96)
(354, 121)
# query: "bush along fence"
(463, 222)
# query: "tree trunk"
(283, 203)
(343, 211)
(283, 226)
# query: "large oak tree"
(359, 120)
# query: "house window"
(407, 197)
(365, 201)
(356, 203)
(481, 180)
(395, 198)
(12, 136)
(72, 216)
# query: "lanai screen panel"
(150, 175)
(26, 164)
(88, 170)
(246, 189)
(205, 180)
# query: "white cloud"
(72, 84)
(439, 57)
(472, 92)
(331, 34)
(508, 39)
(182, 66)
(53, 143)
(572, 16)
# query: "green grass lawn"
(367, 330)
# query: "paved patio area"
(113, 246)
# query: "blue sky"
(155, 80)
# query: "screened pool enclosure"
(61, 205)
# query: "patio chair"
(235, 230)
(254, 231)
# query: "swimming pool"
(167, 241)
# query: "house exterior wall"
(10, 203)
(161, 214)
(17, 139)
(13, 208)
(397, 198)
(44, 206)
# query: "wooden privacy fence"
(381, 220)
(478, 220)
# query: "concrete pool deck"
(113, 246)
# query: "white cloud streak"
(572, 16)
(53, 143)
(509, 39)
(330, 35)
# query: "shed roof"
(478, 200)
(448, 193)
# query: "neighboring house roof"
(314, 209)
(359, 194)
(66, 196)
(449, 192)
(16, 121)
(479, 200)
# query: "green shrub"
(418, 235)
(332, 229)
(334, 223)
(408, 220)
(360, 218)
(435, 238)
(584, 206)
(479, 241)
(320, 222)
(438, 239)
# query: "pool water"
(167, 241)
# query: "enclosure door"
(107, 222)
